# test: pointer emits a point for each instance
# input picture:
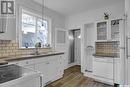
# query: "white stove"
(17, 76)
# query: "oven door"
(29, 80)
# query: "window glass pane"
(28, 30)
(42, 31)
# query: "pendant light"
(42, 12)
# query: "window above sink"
(34, 29)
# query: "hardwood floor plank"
(74, 78)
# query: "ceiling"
(70, 7)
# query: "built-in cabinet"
(107, 69)
(103, 69)
(51, 67)
(108, 30)
(102, 30)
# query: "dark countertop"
(5, 60)
(106, 55)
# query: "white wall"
(57, 19)
(76, 21)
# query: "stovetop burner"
(10, 72)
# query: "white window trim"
(26, 10)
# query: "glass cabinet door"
(102, 31)
(115, 33)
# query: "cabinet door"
(10, 32)
(56, 67)
(115, 33)
(103, 69)
(44, 68)
(102, 30)
(117, 70)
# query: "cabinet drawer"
(26, 62)
(14, 62)
(104, 59)
(43, 59)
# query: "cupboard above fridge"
(108, 30)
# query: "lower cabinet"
(103, 70)
(51, 67)
(44, 68)
(107, 69)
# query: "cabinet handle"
(27, 62)
(127, 56)
(17, 63)
(47, 63)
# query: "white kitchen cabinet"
(57, 67)
(107, 70)
(103, 69)
(29, 63)
(10, 30)
(44, 68)
(108, 30)
(51, 67)
(102, 30)
(117, 70)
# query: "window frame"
(37, 16)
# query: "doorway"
(74, 47)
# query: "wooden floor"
(74, 78)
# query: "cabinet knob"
(27, 62)
(47, 63)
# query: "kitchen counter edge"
(5, 60)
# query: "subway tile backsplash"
(11, 48)
(107, 48)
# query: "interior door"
(77, 45)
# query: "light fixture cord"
(42, 12)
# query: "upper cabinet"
(108, 30)
(102, 30)
(115, 33)
(3, 22)
(8, 29)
